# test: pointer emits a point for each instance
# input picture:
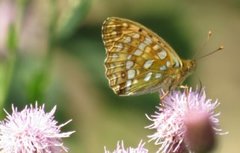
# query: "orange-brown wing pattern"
(138, 60)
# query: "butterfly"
(138, 61)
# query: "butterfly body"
(139, 61)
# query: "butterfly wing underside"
(138, 60)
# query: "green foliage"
(7, 65)
(69, 17)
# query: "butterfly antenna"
(212, 52)
(204, 43)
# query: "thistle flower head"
(31, 130)
(121, 149)
(173, 119)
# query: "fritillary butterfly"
(139, 61)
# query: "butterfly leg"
(163, 94)
(185, 88)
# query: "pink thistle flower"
(179, 114)
(121, 149)
(32, 130)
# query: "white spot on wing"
(114, 33)
(114, 56)
(114, 76)
(162, 54)
(136, 36)
(176, 63)
(156, 47)
(168, 63)
(163, 68)
(131, 74)
(127, 40)
(148, 64)
(128, 83)
(129, 56)
(129, 64)
(125, 24)
(148, 40)
(135, 81)
(119, 47)
(142, 46)
(138, 52)
(158, 75)
(148, 76)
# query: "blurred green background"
(51, 52)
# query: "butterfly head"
(189, 66)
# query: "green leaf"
(12, 38)
(70, 16)
(7, 65)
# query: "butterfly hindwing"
(138, 60)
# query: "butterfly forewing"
(138, 61)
